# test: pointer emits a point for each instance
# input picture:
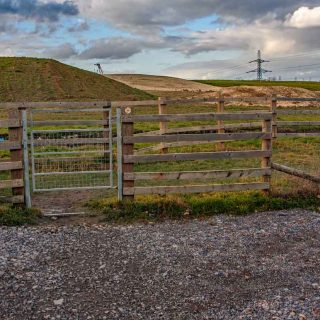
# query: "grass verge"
(159, 208)
(310, 85)
(16, 216)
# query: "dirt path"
(66, 202)
(263, 266)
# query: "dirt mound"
(247, 91)
(175, 88)
(161, 83)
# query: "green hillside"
(310, 85)
(31, 79)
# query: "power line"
(228, 69)
(301, 66)
(276, 60)
(296, 55)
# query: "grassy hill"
(32, 79)
(310, 85)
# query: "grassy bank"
(32, 79)
(158, 208)
(310, 85)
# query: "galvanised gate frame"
(77, 156)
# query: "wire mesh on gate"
(66, 159)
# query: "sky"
(192, 39)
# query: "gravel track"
(263, 266)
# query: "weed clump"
(16, 216)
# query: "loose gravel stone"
(262, 266)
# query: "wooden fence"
(272, 103)
(15, 165)
(166, 137)
(127, 140)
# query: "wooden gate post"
(163, 125)
(127, 150)
(106, 115)
(26, 171)
(273, 109)
(107, 136)
(267, 146)
(221, 129)
(15, 134)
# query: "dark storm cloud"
(37, 10)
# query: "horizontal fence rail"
(197, 117)
(188, 175)
(197, 137)
(196, 156)
(162, 190)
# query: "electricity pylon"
(99, 68)
(259, 70)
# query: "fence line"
(115, 104)
(165, 138)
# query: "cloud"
(81, 26)
(151, 15)
(271, 38)
(304, 17)
(37, 10)
(116, 48)
(64, 51)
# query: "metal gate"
(71, 149)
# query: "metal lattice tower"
(259, 70)
(99, 68)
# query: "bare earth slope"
(160, 83)
(180, 88)
(31, 79)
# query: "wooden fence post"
(273, 109)
(107, 135)
(119, 154)
(266, 146)
(163, 125)
(127, 150)
(26, 171)
(15, 134)
(221, 129)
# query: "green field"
(310, 85)
(31, 79)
